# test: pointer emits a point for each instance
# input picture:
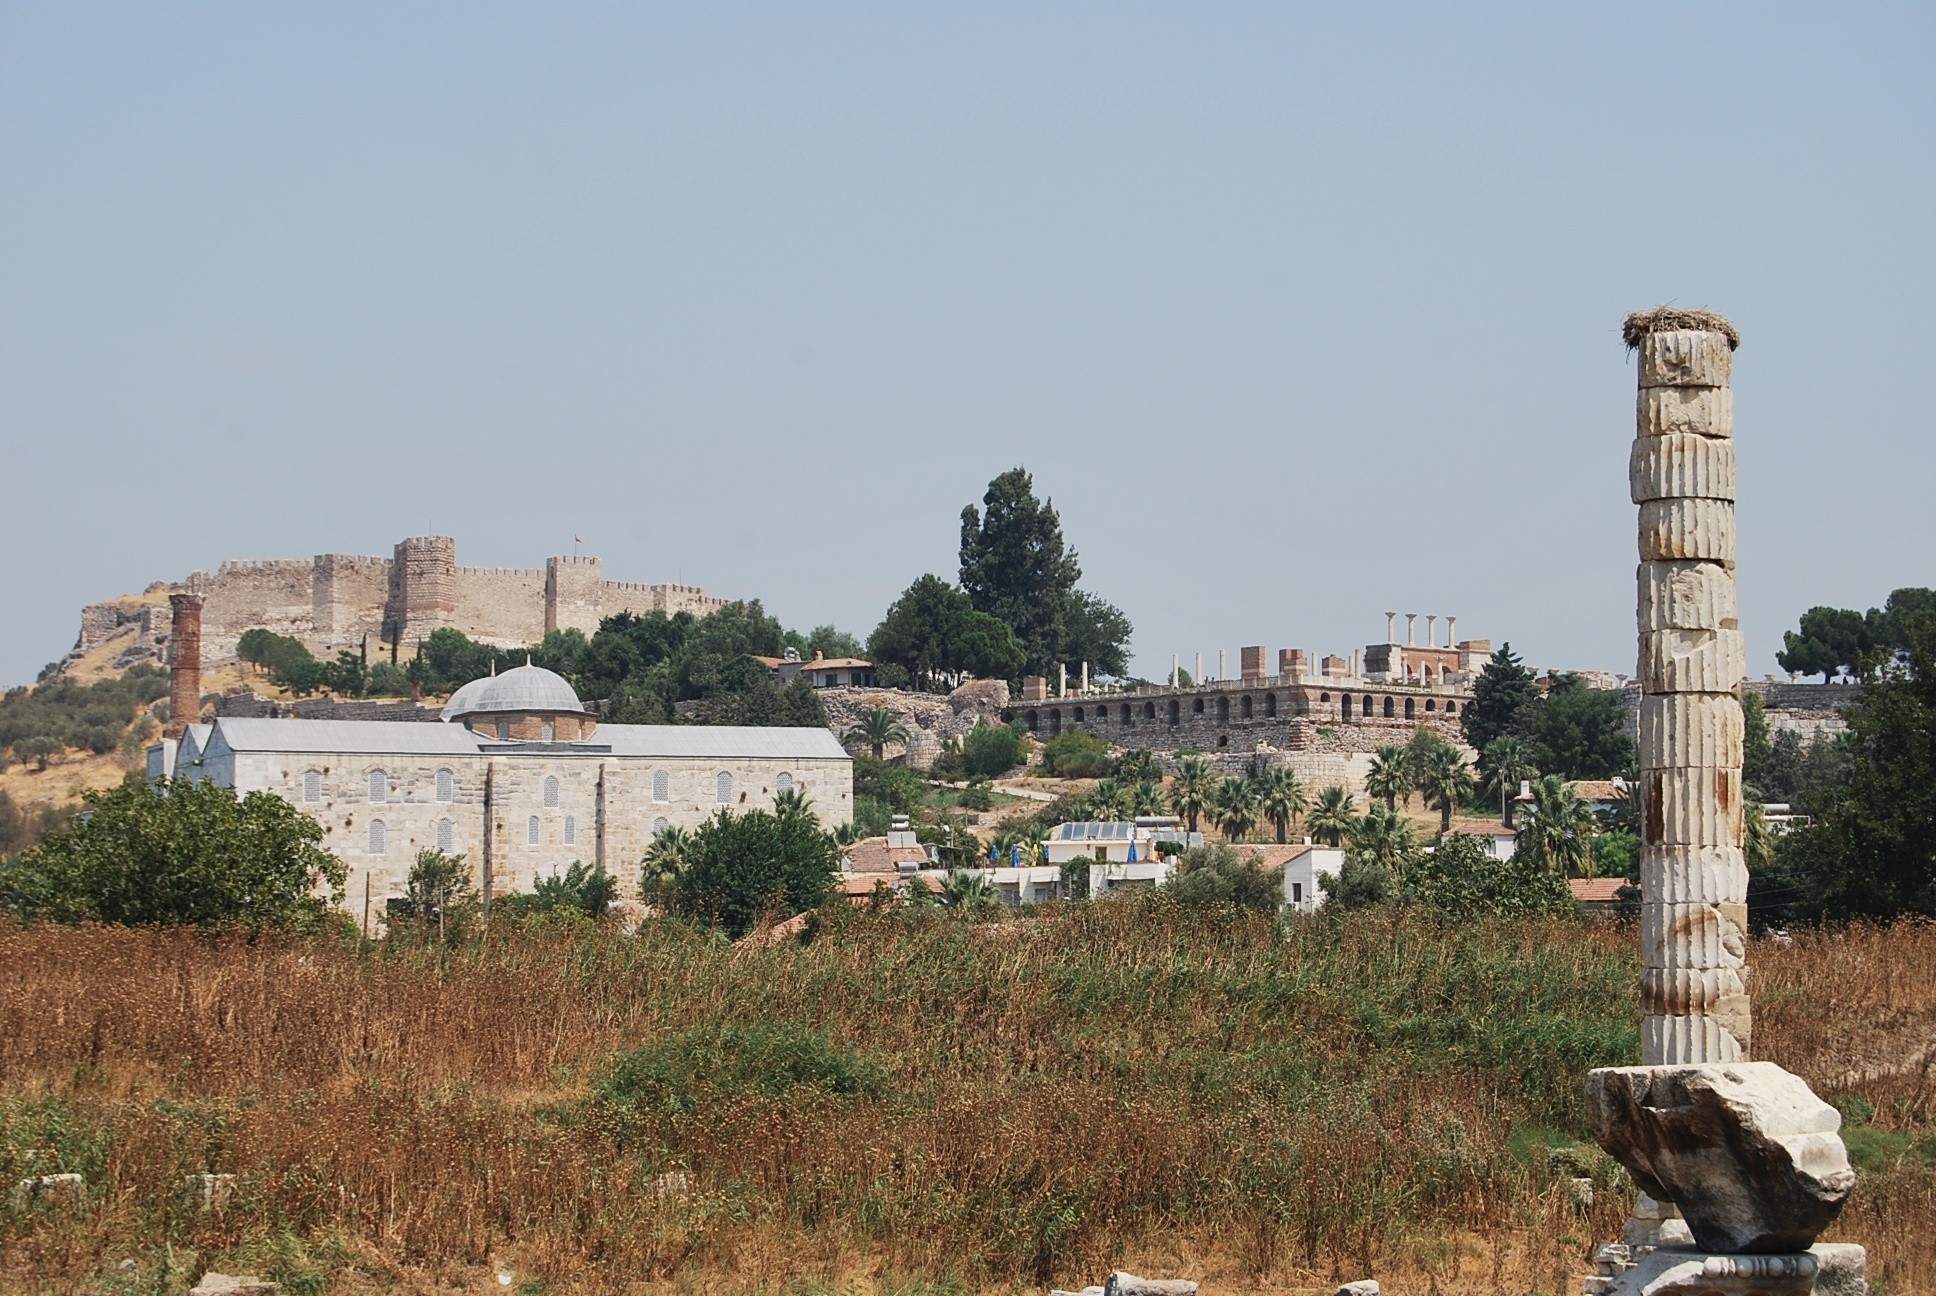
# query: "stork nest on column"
(1672, 319)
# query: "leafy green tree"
(347, 676)
(438, 890)
(583, 888)
(877, 731)
(829, 642)
(1145, 797)
(1503, 698)
(990, 751)
(1333, 817)
(1110, 800)
(1388, 778)
(1217, 875)
(1445, 783)
(1280, 798)
(1097, 632)
(1616, 853)
(1234, 806)
(1505, 764)
(1581, 732)
(1016, 566)
(1462, 880)
(56, 713)
(1829, 642)
(191, 853)
(740, 867)
(39, 749)
(1191, 789)
(1362, 882)
(1871, 852)
(933, 630)
(1074, 754)
(1559, 829)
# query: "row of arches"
(1246, 707)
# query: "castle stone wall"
(338, 601)
(348, 595)
(277, 594)
(500, 605)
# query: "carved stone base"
(1825, 1269)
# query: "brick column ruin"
(1693, 877)
(185, 664)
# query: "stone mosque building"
(519, 778)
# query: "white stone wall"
(410, 811)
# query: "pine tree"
(1503, 698)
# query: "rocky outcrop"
(930, 718)
(1746, 1150)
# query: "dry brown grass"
(1113, 1085)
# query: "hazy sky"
(1298, 315)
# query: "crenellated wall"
(339, 601)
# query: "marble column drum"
(1694, 881)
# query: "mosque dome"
(522, 690)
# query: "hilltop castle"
(336, 601)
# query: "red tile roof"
(1598, 790)
(1596, 890)
(834, 663)
(874, 855)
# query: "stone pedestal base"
(1825, 1269)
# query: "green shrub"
(671, 1076)
(41, 721)
(1074, 754)
(1218, 875)
(990, 751)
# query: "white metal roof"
(415, 737)
(385, 737)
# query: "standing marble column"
(1693, 878)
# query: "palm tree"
(1559, 829)
(1507, 764)
(1146, 798)
(1234, 806)
(1331, 820)
(664, 860)
(1388, 779)
(792, 803)
(965, 892)
(1384, 837)
(1446, 783)
(1281, 798)
(1109, 800)
(877, 729)
(1191, 789)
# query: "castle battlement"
(333, 602)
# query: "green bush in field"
(1074, 754)
(990, 751)
(42, 721)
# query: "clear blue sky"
(1299, 315)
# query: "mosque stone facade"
(519, 808)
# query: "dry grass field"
(904, 1104)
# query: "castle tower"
(423, 587)
(574, 593)
(185, 664)
(1693, 877)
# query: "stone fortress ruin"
(346, 601)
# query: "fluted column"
(1693, 878)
